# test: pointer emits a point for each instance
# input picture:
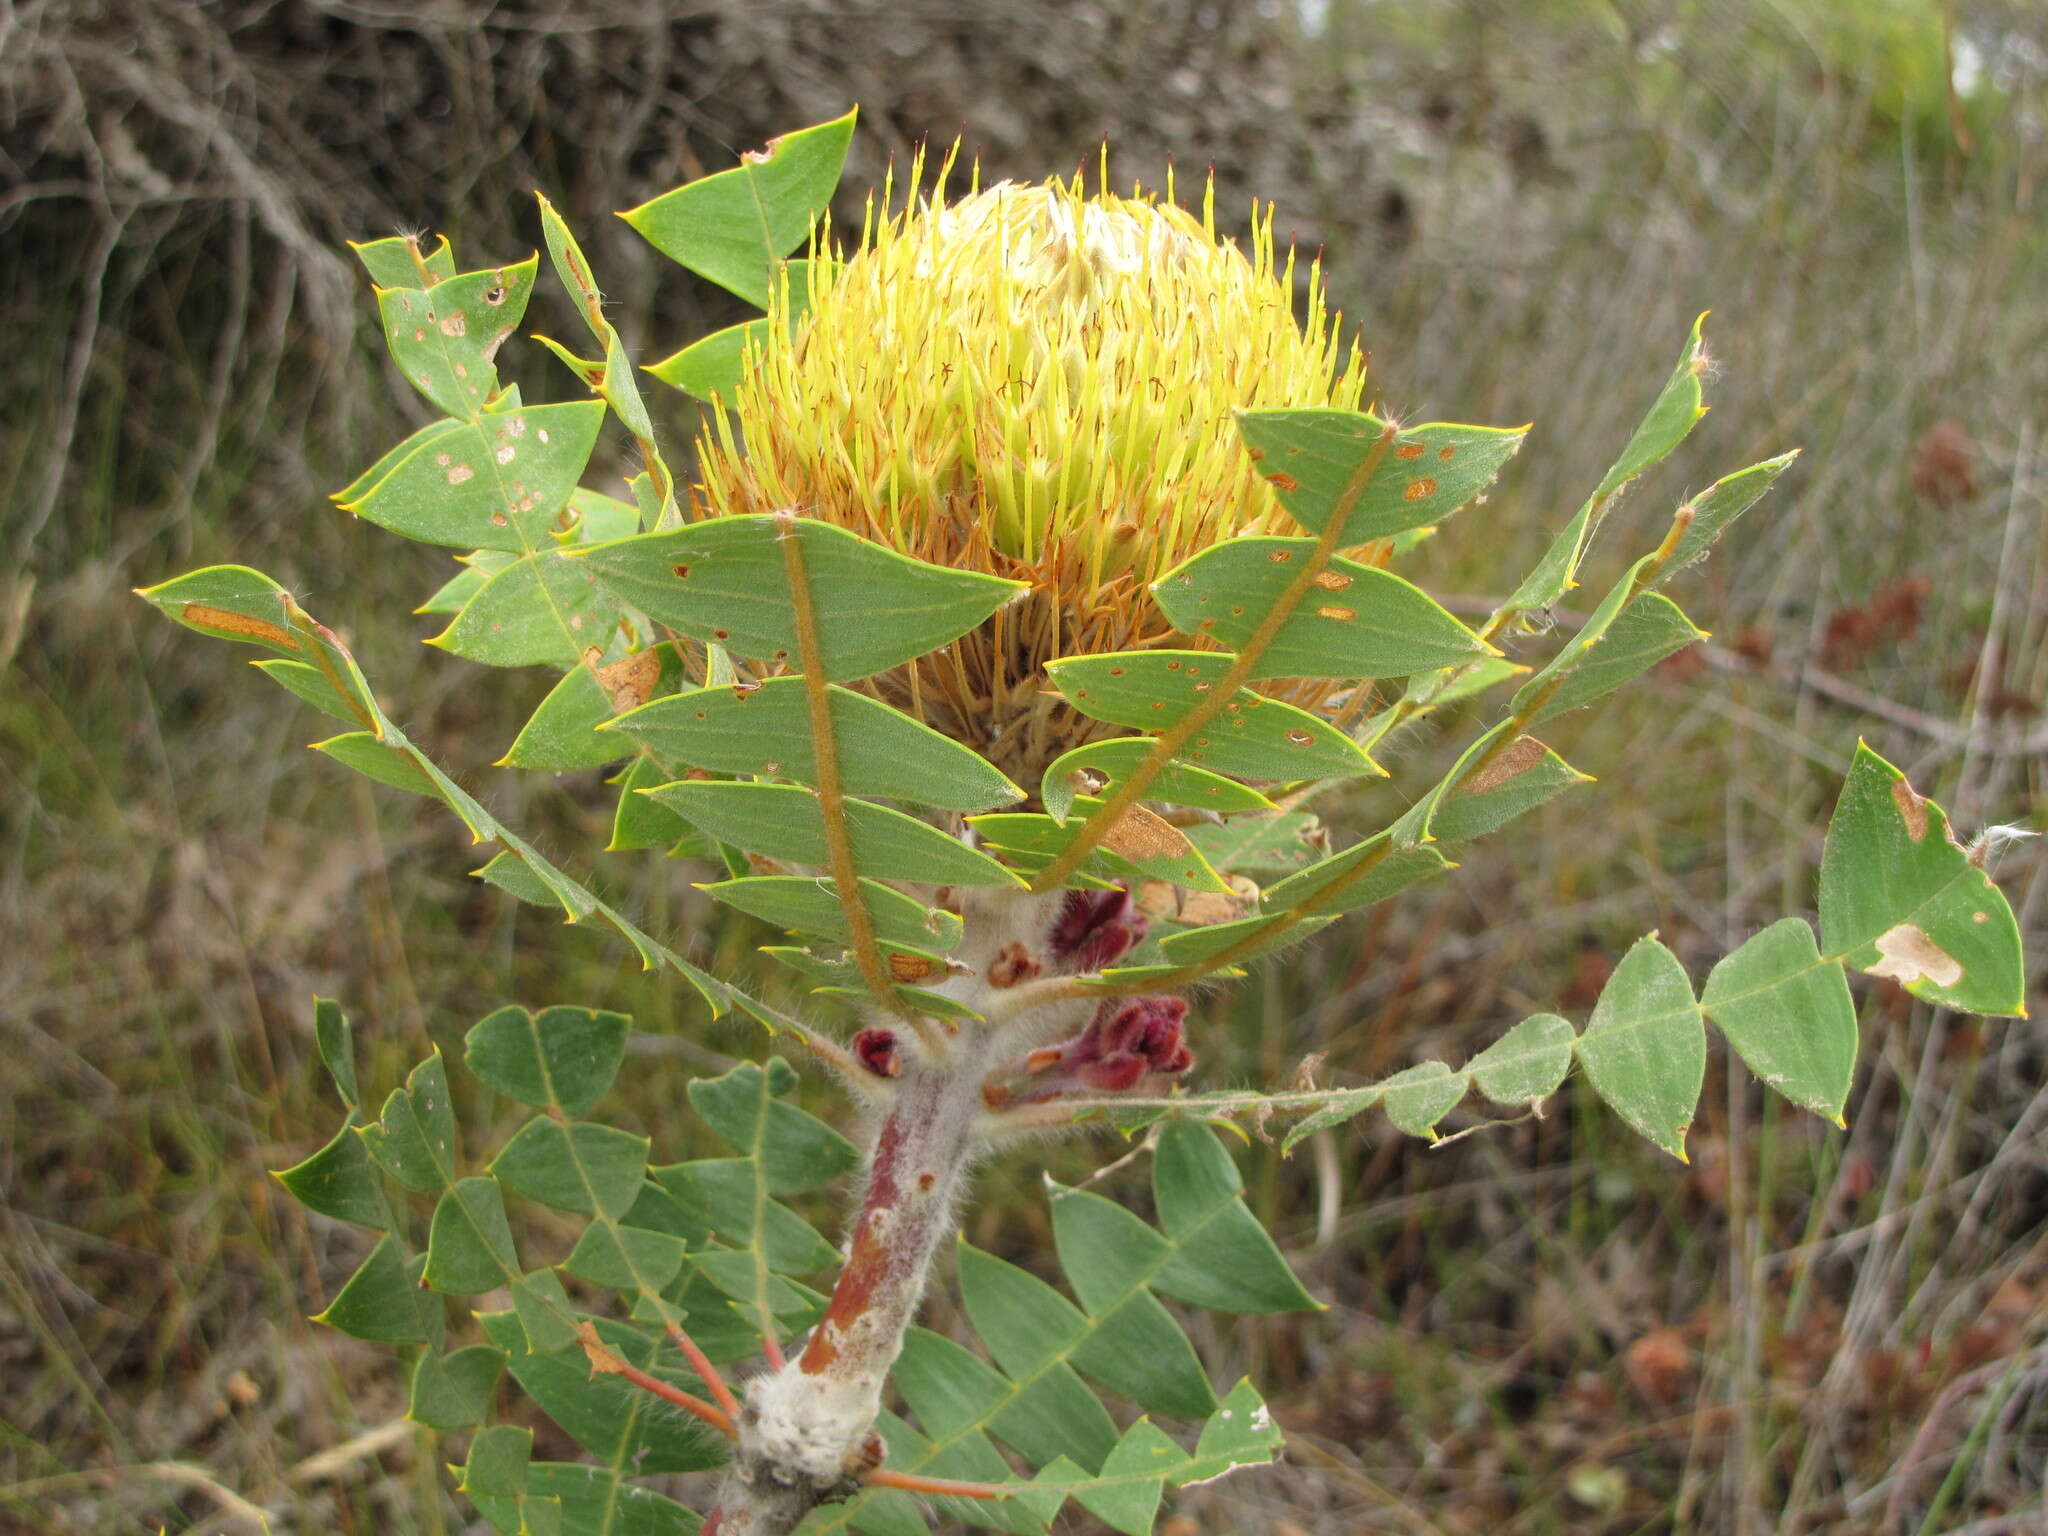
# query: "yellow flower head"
(1037, 382)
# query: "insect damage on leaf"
(1907, 954)
(232, 623)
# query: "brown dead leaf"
(629, 682)
(1140, 834)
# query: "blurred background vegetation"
(1522, 204)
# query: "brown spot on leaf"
(1283, 480)
(457, 473)
(682, 572)
(1410, 451)
(1446, 453)
(1333, 581)
(455, 324)
(1912, 807)
(1907, 954)
(1524, 753)
(227, 621)
(1280, 556)
(629, 682)
(1332, 611)
(1140, 834)
(910, 967)
(1417, 489)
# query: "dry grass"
(1540, 1329)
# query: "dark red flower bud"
(876, 1050)
(1095, 929)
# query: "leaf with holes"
(1115, 759)
(1426, 473)
(444, 338)
(496, 483)
(733, 226)
(1900, 898)
(767, 730)
(541, 610)
(786, 821)
(727, 580)
(413, 1140)
(1645, 1050)
(1353, 621)
(1252, 736)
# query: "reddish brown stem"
(706, 1371)
(937, 1487)
(604, 1363)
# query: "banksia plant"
(1033, 582)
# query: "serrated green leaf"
(335, 1037)
(414, 1138)
(1522, 777)
(577, 1166)
(767, 730)
(380, 1302)
(1117, 758)
(378, 760)
(560, 1058)
(454, 1391)
(1223, 1260)
(1135, 1349)
(1310, 458)
(726, 579)
(497, 483)
(1254, 737)
(543, 609)
(1645, 1050)
(733, 227)
(469, 1248)
(787, 821)
(340, 1180)
(1417, 1098)
(796, 1151)
(1526, 1063)
(397, 262)
(811, 906)
(1787, 1013)
(1356, 621)
(444, 338)
(1361, 876)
